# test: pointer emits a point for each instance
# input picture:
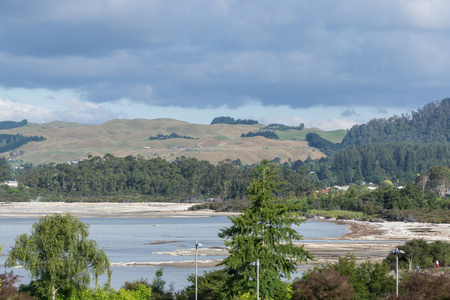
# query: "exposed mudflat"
(366, 240)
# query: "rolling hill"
(217, 142)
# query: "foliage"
(282, 127)
(424, 285)
(186, 179)
(12, 124)
(263, 232)
(170, 136)
(139, 291)
(327, 147)
(266, 133)
(378, 162)
(427, 125)
(10, 142)
(159, 291)
(232, 121)
(5, 170)
(59, 255)
(389, 202)
(422, 254)
(436, 180)
(325, 285)
(8, 288)
(210, 286)
(367, 280)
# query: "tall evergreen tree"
(263, 232)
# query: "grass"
(334, 136)
(68, 141)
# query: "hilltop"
(70, 141)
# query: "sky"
(327, 64)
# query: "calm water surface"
(139, 240)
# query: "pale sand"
(101, 209)
(371, 241)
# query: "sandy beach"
(366, 240)
(101, 209)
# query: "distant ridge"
(122, 137)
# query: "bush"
(8, 289)
(329, 284)
(367, 281)
(424, 285)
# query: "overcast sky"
(329, 64)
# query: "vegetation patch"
(232, 121)
(170, 136)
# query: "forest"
(170, 136)
(427, 125)
(265, 133)
(232, 121)
(185, 179)
(12, 124)
(282, 127)
(397, 149)
(10, 142)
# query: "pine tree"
(263, 232)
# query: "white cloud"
(73, 111)
(283, 119)
(331, 124)
(13, 111)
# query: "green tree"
(263, 232)
(358, 281)
(59, 255)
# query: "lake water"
(127, 240)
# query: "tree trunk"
(54, 292)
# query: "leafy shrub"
(424, 285)
(329, 284)
(8, 289)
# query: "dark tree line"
(378, 162)
(266, 133)
(327, 147)
(182, 179)
(10, 142)
(12, 124)
(232, 121)
(170, 136)
(283, 127)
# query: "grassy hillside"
(70, 141)
(334, 136)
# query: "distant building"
(12, 184)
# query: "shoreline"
(103, 210)
(366, 240)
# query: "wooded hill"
(397, 149)
(429, 124)
(374, 152)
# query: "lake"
(128, 240)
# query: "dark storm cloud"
(349, 113)
(211, 53)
